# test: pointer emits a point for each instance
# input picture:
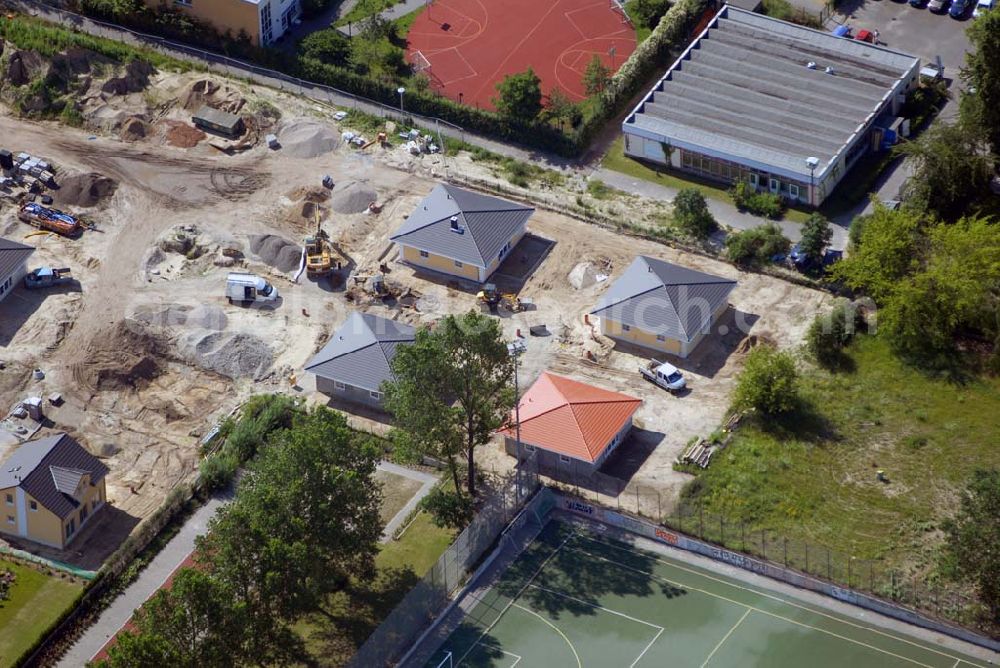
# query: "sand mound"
(182, 135)
(84, 189)
(276, 251)
(231, 355)
(352, 197)
(307, 139)
(124, 356)
(203, 316)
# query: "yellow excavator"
(319, 252)
(493, 298)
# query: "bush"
(648, 12)
(757, 245)
(217, 471)
(765, 204)
(816, 235)
(691, 214)
(598, 189)
(767, 383)
(829, 334)
(448, 509)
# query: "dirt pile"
(84, 190)
(203, 316)
(133, 129)
(181, 134)
(307, 139)
(209, 92)
(135, 79)
(352, 197)
(25, 66)
(276, 251)
(123, 356)
(238, 355)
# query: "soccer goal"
(419, 62)
(447, 661)
(619, 7)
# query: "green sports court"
(576, 597)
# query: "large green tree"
(982, 72)
(973, 546)
(816, 236)
(596, 76)
(691, 214)
(519, 96)
(453, 389)
(767, 383)
(757, 245)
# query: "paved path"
(427, 481)
(390, 14)
(152, 578)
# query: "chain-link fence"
(833, 565)
(428, 599)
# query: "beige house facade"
(263, 21)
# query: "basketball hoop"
(419, 62)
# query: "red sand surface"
(473, 44)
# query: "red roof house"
(571, 424)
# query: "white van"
(249, 288)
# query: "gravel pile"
(276, 251)
(84, 189)
(353, 197)
(232, 355)
(203, 316)
(307, 139)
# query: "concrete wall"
(348, 392)
(9, 282)
(440, 263)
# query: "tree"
(767, 383)
(453, 389)
(519, 96)
(829, 334)
(561, 108)
(596, 76)
(195, 622)
(328, 46)
(973, 545)
(692, 215)
(816, 236)
(950, 170)
(649, 12)
(757, 245)
(889, 248)
(982, 72)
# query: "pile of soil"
(124, 356)
(208, 92)
(135, 79)
(276, 251)
(182, 135)
(133, 129)
(203, 316)
(307, 139)
(232, 355)
(84, 189)
(352, 197)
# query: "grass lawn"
(396, 491)
(364, 9)
(404, 22)
(36, 600)
(813, 477)
(615, 159)
(333, 634)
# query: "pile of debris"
(700, 453)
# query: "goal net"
(419, 62)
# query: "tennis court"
(577, 598)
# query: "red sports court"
(467, 47)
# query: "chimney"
(455, 227)
(829, 70)
(811, 65)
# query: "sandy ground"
(148, 354)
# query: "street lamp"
(401, 90)
(812, 163)
(515, 350)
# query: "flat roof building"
(785, 108)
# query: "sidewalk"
(151, 579)
(427, 481)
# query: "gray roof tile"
(360, 353)
(664, 298)
(50, 470)
(12, 254)
(487, 223)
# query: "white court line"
(579, 664)
(646, 648)
(787, 602)
(511, 602)
(724, 638)
(765, 612)
(517, 657)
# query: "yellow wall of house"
(439, 263)
(231, 15)
(92, 496)
(8, 510)
(43, 525)
(639, 337)
(495, 262)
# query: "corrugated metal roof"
(12, 254)
(217, 117)
(50, 470)
(571, 418)
(664, 298)
(487, 223)
(743, 90)
(360, 353)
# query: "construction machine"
(319, 252)
(493, 299)
(52, 220)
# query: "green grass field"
(813, 477)
(576, 598)
(36, 600)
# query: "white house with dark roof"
(785, 108)
(461, 233)
(662, 306)
(13, 264)
(357, 359)
(49, 489)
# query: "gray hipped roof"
(12, 254)
(360, 352)
(663, 298)
(486, 224)
(50, 470)
(757, 90)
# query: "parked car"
(982, 7)
(663, 374)
(918, 3)
(799, 258)
(938, 6)
(249, 288)
(959, 8)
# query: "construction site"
(146, 348)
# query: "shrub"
(447, 508)
(691, 214)
(520, 96)
(217, 471)
(816, 235)
(829, 334)
(598, 189)
(648, 12)
(767, 383)
(757, 245)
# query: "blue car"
(959, 8)
(918, 3)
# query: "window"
(661, 338)
(83, 514)
(458, 264)
(793, 191)
(186, 3)
(377, 396)
(626, 328)
(10, 499)
(33, 505)
(265, 23)
(11, 520)
(424, 254)
(775, 185)
(339, 386)
(70, 528)
(93, 505)
(754, 180)
(564, 459)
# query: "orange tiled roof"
(572, 418)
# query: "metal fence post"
(829, 568)
(701, 521)
(637, 511)
(722, 529)
(763, 542)
(807, 557)
(786, 552)
(743, 539)
(659, 508)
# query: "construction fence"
(433, 593)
